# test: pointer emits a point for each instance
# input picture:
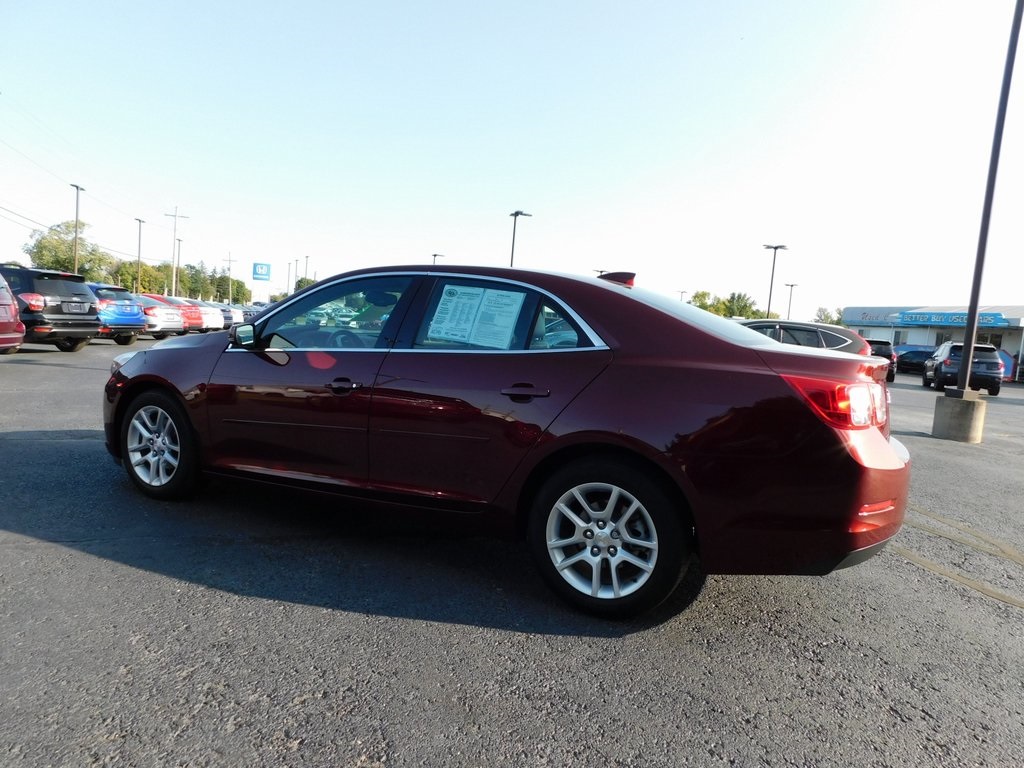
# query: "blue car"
(120, 313)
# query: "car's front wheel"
(607, 538)
(158, 448)
(70, 345)
(924, 380)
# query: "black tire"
(159, 336)
(890, 376)
(9, 350)
(70, 345)
(158, 448)
(939, 386)
(125, 339)
(629, 534)
(924, 381)
(994, 389)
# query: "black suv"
(943, 367)
(56, 307)
(883, 348)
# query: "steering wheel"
(343, 339)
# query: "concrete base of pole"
(960, 415)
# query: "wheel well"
(141, 388)
(572, 453)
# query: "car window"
(351, 314)
(477, 315)
(804, 336)
(553, 330)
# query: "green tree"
(302, 282)
(738, 305)
(824, 316)
(55, 249)
(702, 300)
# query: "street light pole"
(791, 286)
(78, 189)
(515, 217)
(138, 278)
(436, 256)
(775, 250)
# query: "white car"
(162, 319)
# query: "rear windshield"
(60, 286)
(116, 294)
(979, 352)
(723, 327)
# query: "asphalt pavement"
(260, 628)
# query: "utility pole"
(78, 189)
(229, 260)
(174, 238)
(178, 240)
(138, 279)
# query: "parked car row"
(45, 306)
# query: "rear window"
(114, 294)
(64, 285)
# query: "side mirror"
(244, 335)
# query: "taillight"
(846, 405)
(150, 311)
(103, 303)
(34, 301)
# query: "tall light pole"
(437, 256)
(174, 238)
(78, 189)
(138, 274)
(775, 251)
(515, 217)
(791, 286)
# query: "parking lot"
(261, 628)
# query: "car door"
(478, 379)
(294, 404)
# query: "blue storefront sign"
(260, 271)
(985, 319)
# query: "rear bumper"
(60, 330)
(835, 520)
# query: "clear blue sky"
(670, 138)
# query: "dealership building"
(928, 327)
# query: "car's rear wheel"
(607, 538)
(125, 339)
(9, 350)
(994, 389)
(158, 448)
(159, 336)
(70, 345)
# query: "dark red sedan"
(622, 432)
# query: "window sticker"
(485, 317)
